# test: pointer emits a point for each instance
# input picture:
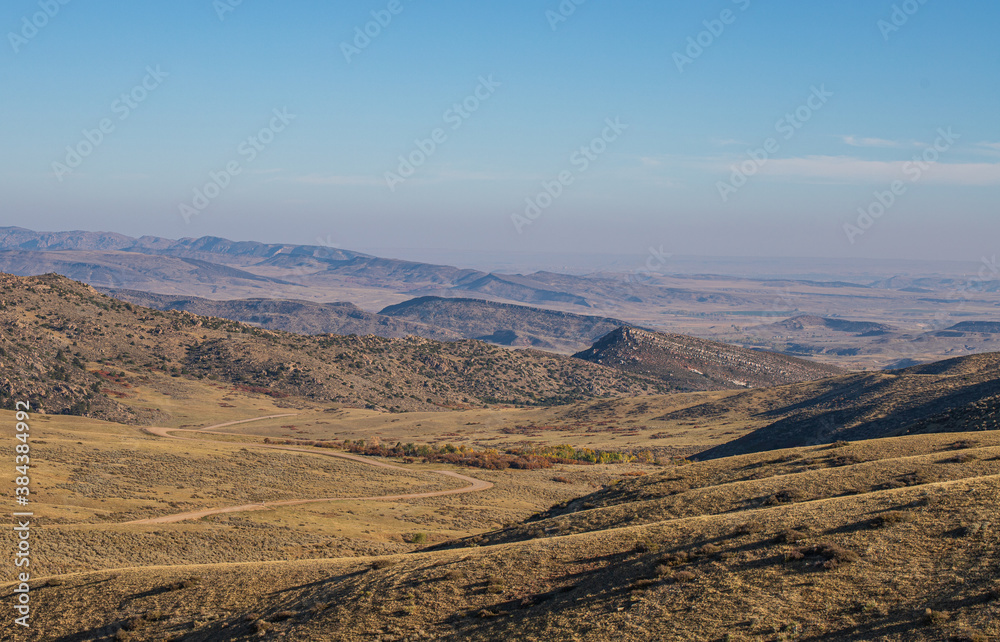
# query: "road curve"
(475, 485)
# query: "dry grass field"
(892, 539)
(90, 478)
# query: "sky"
(855, 129)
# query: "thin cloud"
(855, 170)
(727, 142)
(858, 141)
(335, 179)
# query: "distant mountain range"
(219, 268)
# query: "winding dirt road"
(475, 485)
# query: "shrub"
(783, 497)
(894, 517)
(384, 563)
(676, 559)
(830, 555)
(683, 577)
(789, 536)
(642, 584)
(132, 623)
(647, 545)
(937, 618)
(495, 584)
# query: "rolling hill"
(300, 317)
(69, 346)
(506, 324)
(688, 363)
(959, 394)
(803, 322)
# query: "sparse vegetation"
(746, 545)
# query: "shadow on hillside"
(808, 428)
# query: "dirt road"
(475, 485)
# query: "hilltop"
(689, 363)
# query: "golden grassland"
(89, 478)
(892, 539)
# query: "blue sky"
(874, 83)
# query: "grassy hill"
(889, 540)
(953, 395)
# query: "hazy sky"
(290, 121)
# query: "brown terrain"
(194, 478)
